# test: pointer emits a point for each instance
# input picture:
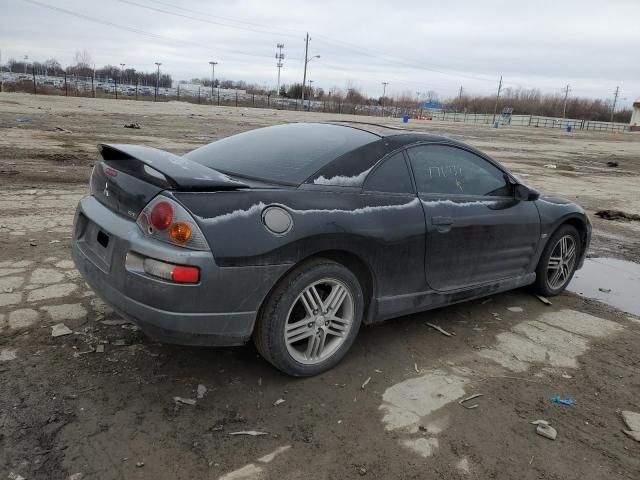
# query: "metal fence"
(110, 88)
(528, 121)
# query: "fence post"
(236, 98)
(198, 95)
(66, 88)
(93, 90)
(269, 100)
(218, 96)
(253, 99)
(137, 82)
(33, 71)
(178, 96)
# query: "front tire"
(558, 261)
(311, 318)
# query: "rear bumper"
(220, 310)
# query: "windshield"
(284, 153)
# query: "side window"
(392, 176)
(454, 171)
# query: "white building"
(635, 117)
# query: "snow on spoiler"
(180, 172)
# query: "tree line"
(522, 101)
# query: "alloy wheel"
(319, 321)
(561, 262)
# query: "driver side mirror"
(525, 194)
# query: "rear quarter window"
(287, 154)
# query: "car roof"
(401, 135)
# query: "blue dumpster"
(569, 128)
(405, 119)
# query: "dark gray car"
(297, 234)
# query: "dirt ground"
(389, 410)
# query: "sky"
(415, 46)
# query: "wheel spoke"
(335, 291)
(554, 279)
(570, 253)
(338, 299)
(554, 263)
(300, 334)
(312, 298)
(332, 330)
(311, 346)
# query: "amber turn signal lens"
(180, 232)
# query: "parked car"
(294, 235)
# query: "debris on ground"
(60, 129)
(280, 401)
(440, 329)
(100, 348)
(15, 476)
(515, 309)
(545, 430)
(201, 391)
(544, 300)
(33, 242)
(563, 401)
(23, 120)
(113, 323)
(470, 407)
(566, 375)
(362, 471)
(185, 401)
(365, 383)
(251, 433)
(119, 342)
(60, 329)
(612, 164)
(550, 165)
(415, 367)
(632, 420)
(617, 215)
(75, 476)
(605, 290)
(139, 464)
(132, 125)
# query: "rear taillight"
(167, 220)
(164, 270)
(161, 215)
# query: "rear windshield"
(284, 153)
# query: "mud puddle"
(611, 281)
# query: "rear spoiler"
(180, 172)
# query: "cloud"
(414, 45)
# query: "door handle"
(443, 221)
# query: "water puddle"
(611, 281)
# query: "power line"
(173, 41)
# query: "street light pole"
(155, 96)
(213, 77)
(384, 93)
(121, 68)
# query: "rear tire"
(311, 319)
(558, 261)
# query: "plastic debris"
(15, 476)
(632, 419)
(23, 120)
(365, 383)
(440, 329)
(201, 391)
(139, 464)
(60, 329)
(415, 367)
(132, 125)
(612, 164)
(605, 290)
(545, 430)
(470, 407)
(515, 309)
(563, 401)
(280, 401)
(251, 433)
(113, 323)
(550, 165)
(185, 401)
(544, 300)
(100, 348)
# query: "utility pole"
(460, 97)
(384, 93)
(306, 61)
(495, 110)
(564, 104)
(1, 73)
(279, 64)
(615, 100)
(155, 96)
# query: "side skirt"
(396, 306)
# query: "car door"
(476, 230)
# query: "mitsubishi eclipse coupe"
(295, 235)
